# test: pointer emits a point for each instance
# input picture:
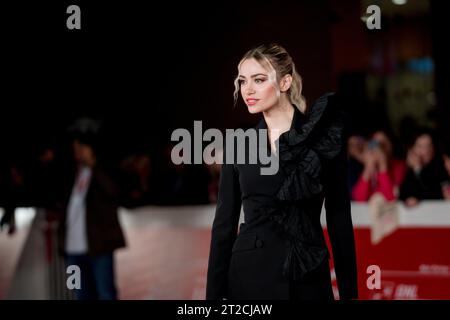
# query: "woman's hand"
(446, 191)
(381, 160)
(370, 164)
(375, 160)
(411, 202)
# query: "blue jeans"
(97, 276)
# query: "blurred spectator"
(382, 172)
(181, 184)
(44, 177)
(425, 173)
(137, 180)
(16, 194)
(355, 146)
(89, 231)
(446, 183)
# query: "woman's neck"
(279, 117)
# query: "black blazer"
(281, 243)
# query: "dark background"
(146, 69)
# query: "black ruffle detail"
(300, 151)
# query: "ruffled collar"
(322, 124)
(312, 137)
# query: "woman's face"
(424, 148)
(258, 93)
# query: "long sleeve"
(224, 232)
(361, 190)
(340, 228)
(386, 185)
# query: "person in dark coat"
(89, 231)
(426, 171)
(280, 250)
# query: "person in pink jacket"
(382, 173)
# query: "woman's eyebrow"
(254, 75)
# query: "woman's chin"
(253, 109)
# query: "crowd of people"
(375, 167)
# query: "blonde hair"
(279, 63)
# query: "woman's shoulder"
(318, 130)
(326, 117)
(325, 112)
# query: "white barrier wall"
(426, 214)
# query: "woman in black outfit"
(280, 251)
